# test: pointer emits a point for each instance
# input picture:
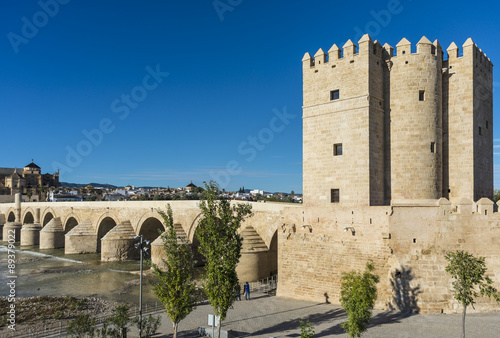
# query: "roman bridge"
(110, 227)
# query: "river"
(52, 273)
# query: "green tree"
(81, 326)
(469, 280)
(119, 319)
(306, 329)
(221, 245)
(149, 325)
(357, 296)
(175, 287)
(496, 195)
(292, 193)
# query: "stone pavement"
(268, 316)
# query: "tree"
(469, 274)
(496, 195)
(357, 296)
(148, 325)
(120, 319)
(306, 329)
(81, 326)
(292, 193)
(175, 287)
(221, 245)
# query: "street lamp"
(142, 248)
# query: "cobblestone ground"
(267, 316)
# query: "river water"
(52, 273)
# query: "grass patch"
(36, 309)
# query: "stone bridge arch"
(11, 215)
(70, 222)
(47, 215)
(104, 224)
(150, 225)
(28, 216)
(194, 226)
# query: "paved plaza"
(269, 316)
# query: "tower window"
(334, 95)
(479, 130)
(486, 124)
(433, 148)
(421, 95)
(337, 149)
(335, 195)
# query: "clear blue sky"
(233, 74)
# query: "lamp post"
(142, 248)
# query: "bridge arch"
(150, 225)
(11, 215)
(151, 228)
(47, 215)
(28, 217)
(194, 226)
(71, 222)
(104, 224)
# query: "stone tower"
(381, 128)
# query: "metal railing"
(59, 329)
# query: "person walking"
(238, 292)
(247, 291)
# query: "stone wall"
(407, 244)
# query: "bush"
(81, 326)
(149, 325)
(306, 329)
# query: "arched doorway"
(46, 219)
(70, 224)
(28, 218)
(103, 228)
(272, 255)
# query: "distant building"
(190, 186)
(28, 180)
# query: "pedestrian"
(238, 292)
(247, 291)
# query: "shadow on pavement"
(388, 317)
(294, 324)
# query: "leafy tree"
(357, 296)
(306, 329)
(469, 274)
(149, 325)
(496, 195)
(292, 193)
(175, 287)
(221, 245)
(119, 319)
(81, 326)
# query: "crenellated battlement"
(367, 46)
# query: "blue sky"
(159, 93)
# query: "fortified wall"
(397, 169)
(406, 242)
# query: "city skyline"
(161, 94)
